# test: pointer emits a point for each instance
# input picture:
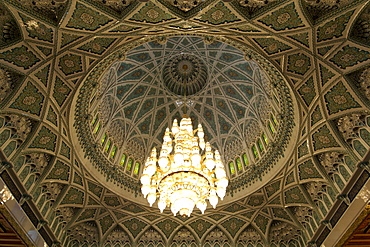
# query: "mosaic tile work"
(45, 139)
(333, 28)
(234, 208)
(284, 18)
(37, 30)
(85, 18)
(70, 64)
(349, 56)
(105, 223)
(316, 115)
(65, 150)
(151, 13)
(135, 226)
(133, 208)
(68, 38)
(301, 38)
(167, 226)
(233, 225)
(124, 28)
(307, 170)
(112, 201)
(218, 14)
(43, 75)
(294, 195)
(261, 222)
(245, 28)
(20, 56)
(73, 196)
(307, 91)
(323, 50)
(298, 63)
(30, 100)
(61, 91)
(302, 150)
(60, 171)
(77, 179)
(216, 217)
(200, 226)
(339, 99)
(322, 138)
(224, 107)
(98, 45)
(325, 74)
(271, 189)
(52, 116)
(87, 214)
(281, 213)
(46, 51)
(271, 45)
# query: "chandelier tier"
(186, 173)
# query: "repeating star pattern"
(82, 102)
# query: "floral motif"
(322, 138)
(151, 13)
(219, 14)
(271, 45)
(307, 170)
(45, 139)
(37, 30)
(349, 56)
(339, 99)
(98, 45)
(70, 64)
(61, 91)
(30, 100)
(60, 171)
(333, 28)
(73, 196)
(299, 63)
(85, 18)
(284, 18)
(20, 56)
(307, 91)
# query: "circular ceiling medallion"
(129, 99)
(185, 74)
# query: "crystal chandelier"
(186, 173)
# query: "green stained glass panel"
(255, 152)
(97, 128)
(261, 147)
(129, 164)
(239, 164)
(245, 159)
(273, 119)
(113, 152)
(137, 168)
(107, 146)
(103, 138)
(123, 160)
(94, 120)
(264, 138)
(271, 128)
(232, 168)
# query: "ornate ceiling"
(88, 86)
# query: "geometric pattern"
(46, 56)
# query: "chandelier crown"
(186, 172)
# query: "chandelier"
(186, 173)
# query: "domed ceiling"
(88, 87)
(138, 97)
